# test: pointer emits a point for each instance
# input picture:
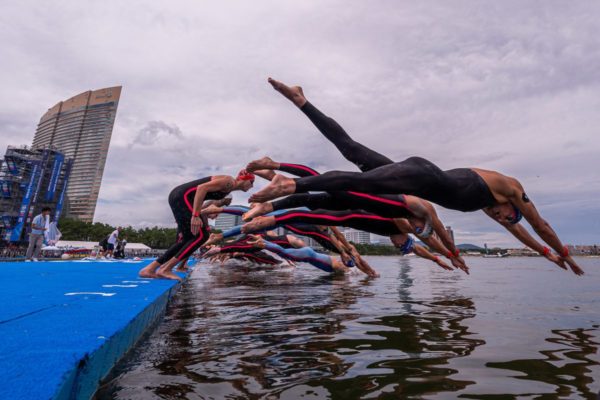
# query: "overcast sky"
(512, 86)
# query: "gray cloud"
(155, 130)
(510, 86)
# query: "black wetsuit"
(459, 189)
(391, 206)
(181, 201)
(319, 235)
(357, 219)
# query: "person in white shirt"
(112, 242)
(36, 237)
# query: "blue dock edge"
(66, 324)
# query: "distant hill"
(468, 246)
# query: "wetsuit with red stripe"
(357, 219)
(321, 236)
(242, 244)
(391, 206)
(318, 234)
(459, 189)
(181, 201)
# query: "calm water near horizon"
(514, 328)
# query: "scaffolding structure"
(30, 179)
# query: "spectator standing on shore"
(36, 237)
(112, 242)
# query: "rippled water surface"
(516, 327)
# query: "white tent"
(74, 244)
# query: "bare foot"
(267, 174)
(147, 274)
(212, 209)
(179, 269)
(294, 93)
(258, 209)
(149, 271)
(168, 275)
(263, 163)
(258, 224)
(213, 238)
(279, 186)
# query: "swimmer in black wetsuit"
(333, 240)
(305, 254)
(418, 212)
(396, 229)
(465, 189)
(186, 202)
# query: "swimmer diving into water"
(502, 198)
(186, 202)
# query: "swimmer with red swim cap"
(186, 202)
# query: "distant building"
(227, 221)
(81, 128)
(356, 236)
(30, 179)
(522, 252)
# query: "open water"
(514, 328)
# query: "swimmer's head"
(246, 180)
(505, 213)
(422, 227)
(408, 246)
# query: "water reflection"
(567, 366)
(282, 333)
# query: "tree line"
(155, 237)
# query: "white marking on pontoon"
(119, 285)
(90, 293)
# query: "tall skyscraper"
(81, 128)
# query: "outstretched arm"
(346, 248)
(218, 183)
(524, 237)
(541, 226)
(433, 242)
(424, 253)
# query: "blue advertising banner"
(61, 198)
(54, 175)
(12, 166)
(43, 165)
(27, 197)
(5, 187)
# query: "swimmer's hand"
(257, 241)
(459, 263)
(573, 265)
(445, 266)
(196, 225)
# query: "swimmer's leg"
(304, 254)
(357, 153)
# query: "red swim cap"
(244, 175)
